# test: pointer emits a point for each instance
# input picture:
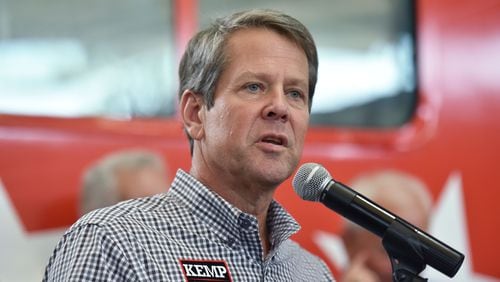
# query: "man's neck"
(250, 199)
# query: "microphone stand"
(405, 253)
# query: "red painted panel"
(456, 128)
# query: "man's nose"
(276, 107)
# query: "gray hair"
(205, 57)
(99, 183)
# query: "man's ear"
(192, 111)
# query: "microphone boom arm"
(405, 253)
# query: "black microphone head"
(310, 181)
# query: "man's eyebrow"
(251, 75)
(298, 82)
(302, 83)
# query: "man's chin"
(274, 171)
(274, 176)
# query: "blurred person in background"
(398, 192)
(122, 175)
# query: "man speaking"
(246, 88)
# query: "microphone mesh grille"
(310, 181)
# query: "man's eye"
(295, 94)
(253, 87)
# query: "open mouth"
(276, 140)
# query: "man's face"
(255, 131)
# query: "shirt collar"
(221, 216)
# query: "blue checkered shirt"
(156, 238)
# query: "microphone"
(313, 183)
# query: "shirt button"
(230, 242)
(245, 223)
